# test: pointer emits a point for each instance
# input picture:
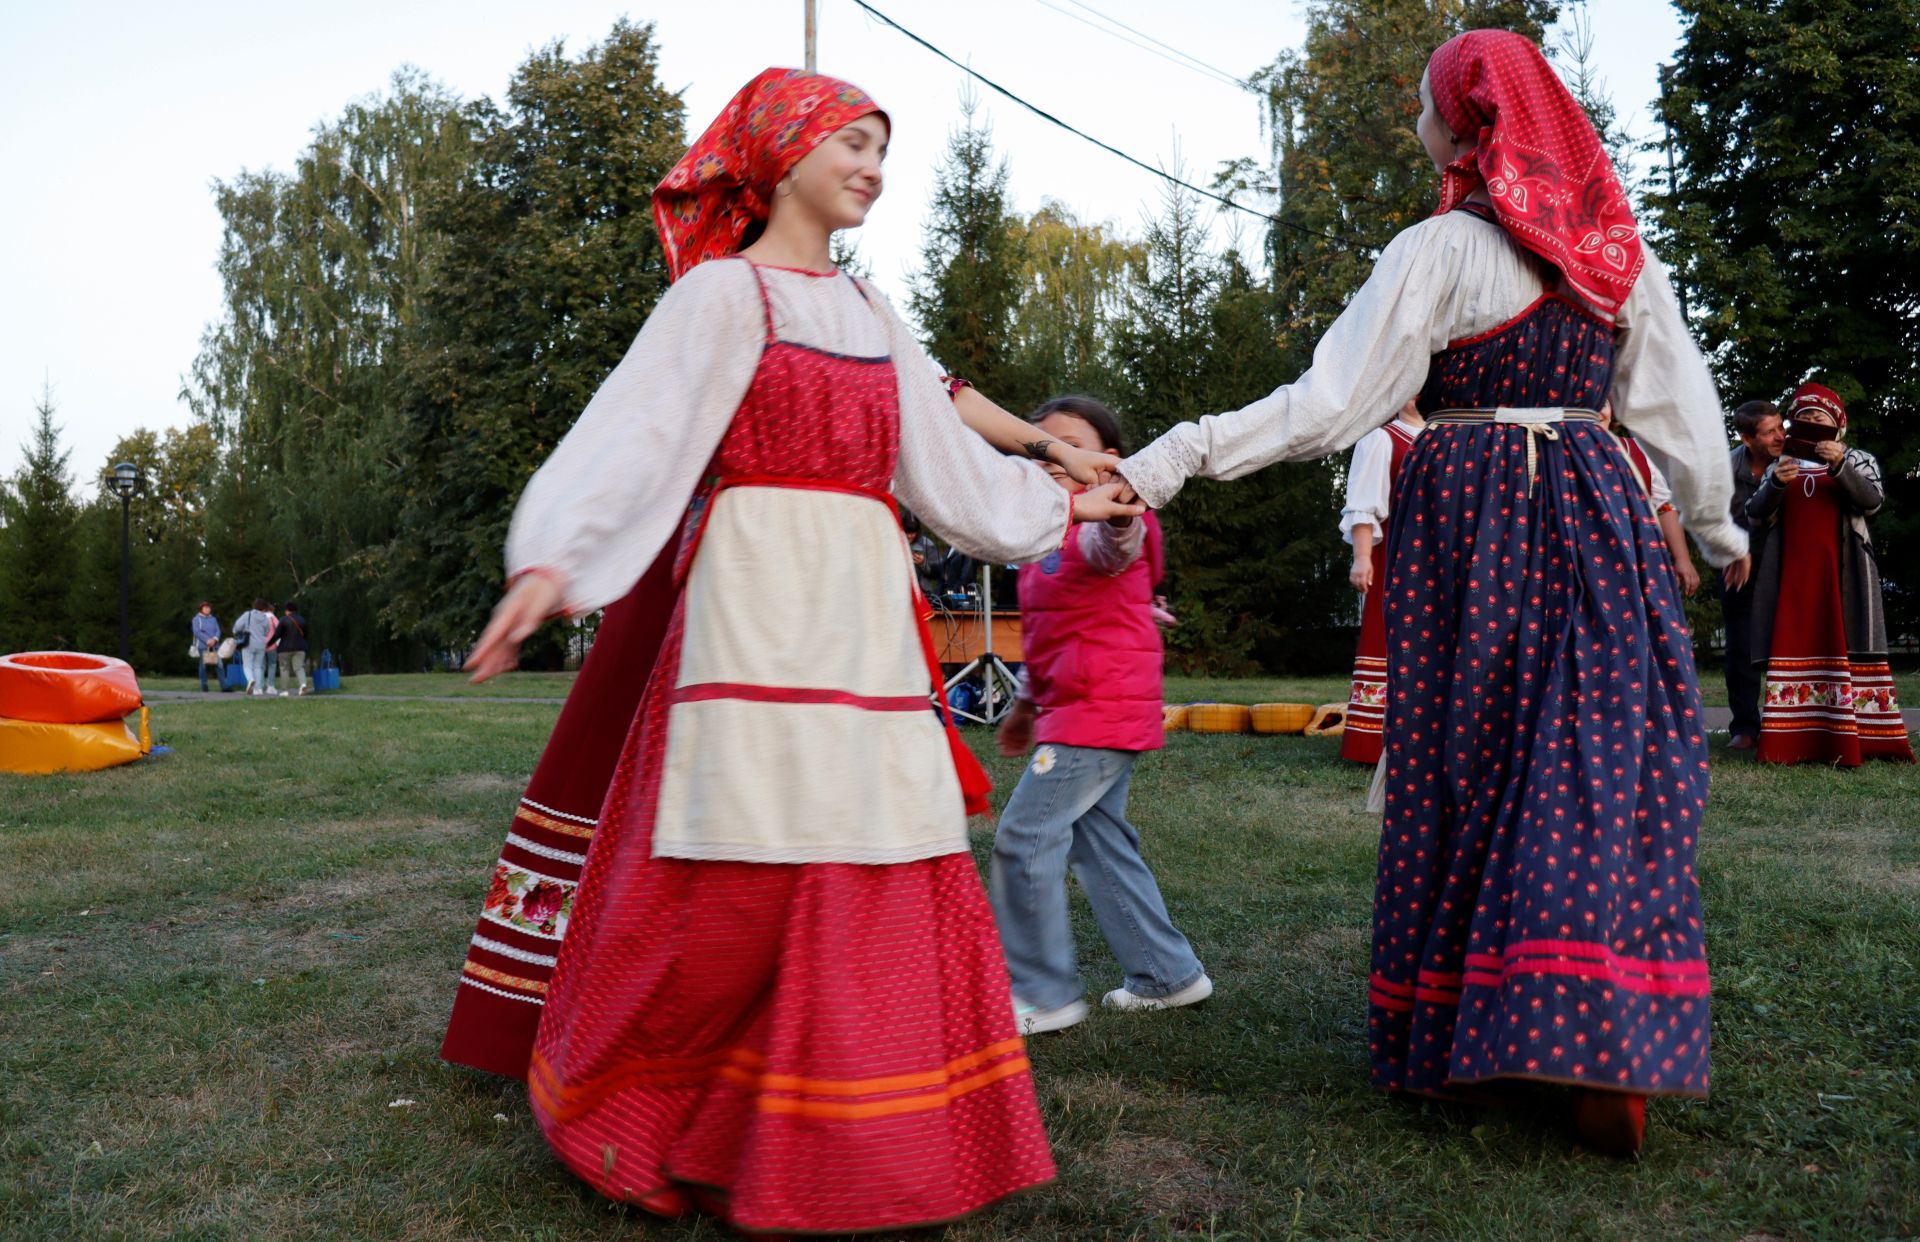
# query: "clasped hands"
(1109, 497)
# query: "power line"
(1044, 115)
(1235, 78)
(1197, 67)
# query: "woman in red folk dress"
(1371, 479)
(1818, 630)
(779, 996)
(1536, 913)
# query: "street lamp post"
(126, 483)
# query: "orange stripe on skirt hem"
(744, 1067)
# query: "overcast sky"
(120, 116)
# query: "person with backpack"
(251, 630)
(291, 642)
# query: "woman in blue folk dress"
(1536, 914)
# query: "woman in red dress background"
(1818, 628)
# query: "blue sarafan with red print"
(1536, 914)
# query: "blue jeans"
(219, 675)
(1070, 809)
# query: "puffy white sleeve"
(1371, 360)
(994, 508)
(1663, 388)
(1659, 491)
(613, 491)
(1369, 482)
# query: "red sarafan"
(66, 687)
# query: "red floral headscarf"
(1551, 183)
(726, 180)
(1818, 397)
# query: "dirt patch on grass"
(1171, 1178)
(484, 783)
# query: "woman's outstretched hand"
(1084, 466)
(530, 601)
(1102, 504)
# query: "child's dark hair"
(1092, 413)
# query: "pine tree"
(37, 540)
(968, 287)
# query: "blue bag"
(326, 674)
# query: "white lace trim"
(472, 982)
(544, 851)
(547, 810)
(507, 950)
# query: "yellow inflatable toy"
(1330, 720)
(36, 748)
(61, 711)
(1281, 717)
(1219, 718)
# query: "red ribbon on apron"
(975, 784)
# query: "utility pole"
(813, 64)
(1673, 184)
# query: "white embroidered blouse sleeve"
(1369, 480)
(1371, 360)
(1110, 549)
(1662, 386)
(611, 494)
(1659, 492)
(994, 508)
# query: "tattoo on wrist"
(1037, 449)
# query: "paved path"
(1717, 717)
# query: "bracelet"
(954, 384)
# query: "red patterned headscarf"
(1551, 183)
(1818, 397)
(726, 180)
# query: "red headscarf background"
(726, 180)
(1818, 397)
(1551, 183)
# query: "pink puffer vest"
(1094, 655)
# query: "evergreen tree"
(37, 540)
(551, 265)
(1794, 226)
(968, 287)
(168, 572)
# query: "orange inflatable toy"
(66, 687)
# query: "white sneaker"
(1033, 1020)
(1133, 1002)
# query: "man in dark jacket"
(1761, 437)
(292, 643)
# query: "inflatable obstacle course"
(65, 711)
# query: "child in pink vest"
(1090, 697)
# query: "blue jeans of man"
(1069, 810)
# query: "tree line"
(417, 310)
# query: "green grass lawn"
(221, 968)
